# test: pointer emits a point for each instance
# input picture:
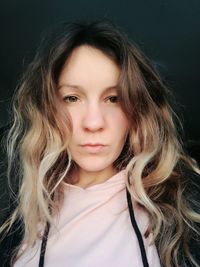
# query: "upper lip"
(92, 144)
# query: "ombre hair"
(153, 154)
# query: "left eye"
(70, 98)
(113, 99)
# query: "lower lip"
(93, 149)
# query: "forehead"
(88, 67)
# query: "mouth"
(93, 148)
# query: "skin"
(87, 91)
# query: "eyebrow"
(79, 87)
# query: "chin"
(93, 165)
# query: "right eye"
(70, 98)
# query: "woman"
(103, 178)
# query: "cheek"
(119, 124)
(75, 120)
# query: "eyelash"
(67, 98)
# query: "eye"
(113, 98)
(70, 98)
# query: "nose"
(93, 119)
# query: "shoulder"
(190, 180)
(7, 205)
(10, 242)
(141, 216)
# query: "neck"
(86, 178)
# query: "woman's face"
(87, 89)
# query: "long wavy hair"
(153, 153)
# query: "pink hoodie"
(95, 230)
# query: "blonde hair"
(153, 154)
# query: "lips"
(93, 148)
(92, 144)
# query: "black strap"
(137, 231)
(135, 227)
(44, 244)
